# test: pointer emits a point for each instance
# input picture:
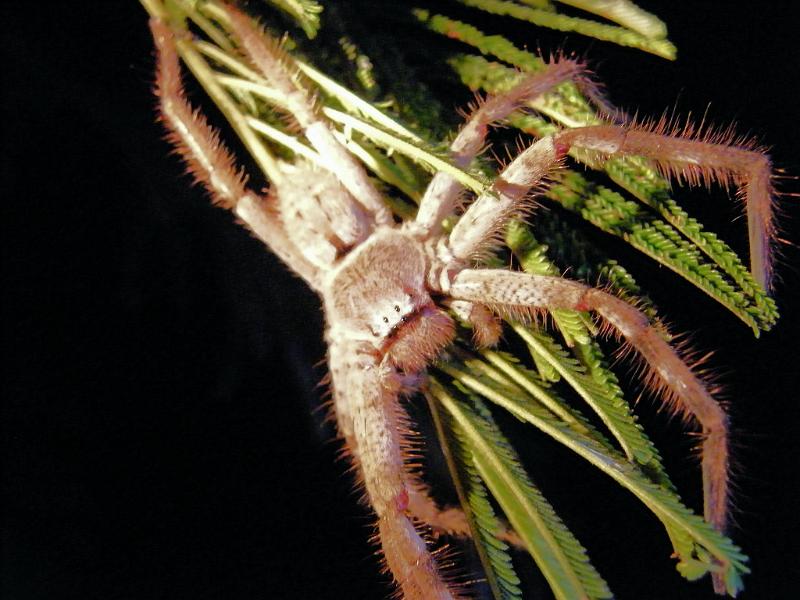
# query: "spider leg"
(278, 69)
(516, 293)
(705, 157)
(486, 327)
(482, 223)
(451, 520)
(372, 422)
(443, 191)
(697, 156)
(212, 164)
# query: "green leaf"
(606, 401)
(600, 31)
(609, 211)
(558, 554)
(692, 537)
(304, 12)
(474, 498)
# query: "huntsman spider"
(393, 292)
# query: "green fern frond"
(561, 558)
(304, 12)
(606, 401)
(543, 367)
(698, 546)
(636, 176)
(609, 211)
(623, 12)
(474, 498)
(501, 373)
(564, 104)
(607, 33)
(353, 104)
(360, 63)
(422, 155)
(494, 45)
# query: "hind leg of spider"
(373, 424)
(212, 164)
(450, 520)
(684, 392)
(283, 75)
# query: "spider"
(393, 291)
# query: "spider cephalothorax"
(395, 314)
(392, 292)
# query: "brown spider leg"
(451, 520)
(483, 222)
(212, 164)
(277, 68)
(442, 521)
(486, 326)
(698, 156)
(446, 521)
(373, 422)
(442, 193)
(516, 293)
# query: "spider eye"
(385, 319)
(396, 308)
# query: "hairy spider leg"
(374, 428)
(515, 293)
(450, 520)
(520, 293)
(283, 75)
(698, 156)
(482, 225)
(377, 433)
(212, 164)
(443, 192)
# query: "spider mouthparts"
(417, 341)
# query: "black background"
(160, 423)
